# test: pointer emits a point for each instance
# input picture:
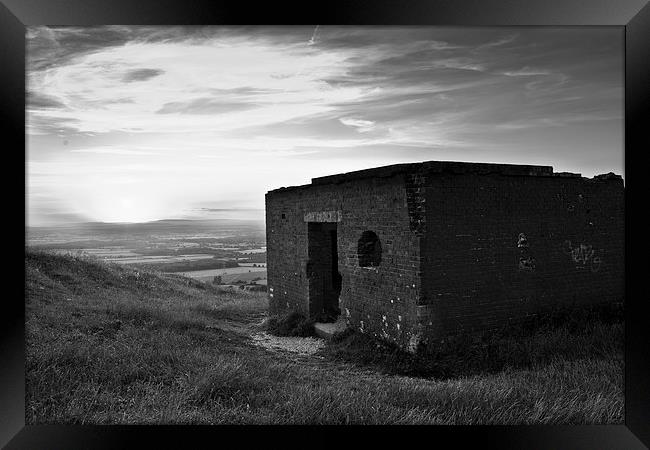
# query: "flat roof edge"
(453, 167)
(438, 167)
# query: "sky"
(133, 124)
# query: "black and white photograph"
(324, 225)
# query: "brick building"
(414, 252)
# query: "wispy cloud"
(114, 151)
(36, 101)
(204, 106)
(499, 42)
(141, 75)
(525, 72)
(360, 124)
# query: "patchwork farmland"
(199, 250)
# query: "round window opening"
(369, 249)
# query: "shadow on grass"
(291, 324)
(567, 334)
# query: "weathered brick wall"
(377, 300)
(498, 248)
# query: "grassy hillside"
(109, 344)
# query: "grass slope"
(109, 344)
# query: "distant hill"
(168, 225)
(99, 233)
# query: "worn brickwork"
(465, 247)
(499, 248)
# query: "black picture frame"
(633, 15)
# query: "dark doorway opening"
(323, 271)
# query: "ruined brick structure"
(415, 252)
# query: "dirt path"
(253, 327)
(305, 346)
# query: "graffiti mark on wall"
(522, 241)
(527, 263)
(583, 255)
(526, 260)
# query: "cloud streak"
(141, 75)
(114, 151)
(204, 106)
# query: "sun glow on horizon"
(111, 208)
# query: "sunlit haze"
(133, 124)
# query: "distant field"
(107, 253)
(159, 259)
(228, 275)
(200, 266)
(127, 256)
(226, 271)
(104, 252)
(252, 251)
